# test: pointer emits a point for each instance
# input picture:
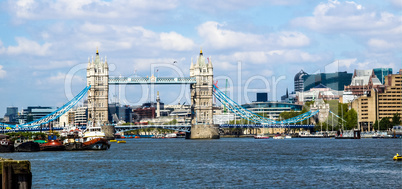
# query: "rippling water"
(227, 162)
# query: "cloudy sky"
(45, 45)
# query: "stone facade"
(98, 78)
(202, 126)
(376, 104)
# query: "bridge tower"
(202, 126)
(98, 78)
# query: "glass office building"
(298, 81)
(381, 73)
(336, 81)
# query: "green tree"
(351, 119)
(385, 123)
(375, 126)
(396, 119)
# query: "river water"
(224, 163)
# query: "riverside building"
(380, 102)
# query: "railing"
(52, 116)
(255, 118)
(151, 80)
(259, 126)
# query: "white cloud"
(217, 37)
(122, 37)
(60, 77)
(90, 9)
(26, 46)
(230, 5)
(290, 39)
(380, 44)
(55, 64)
(397, 3)
(175, 41)
(347, 62)
(3, 73)
(347, 17)
(271, 57)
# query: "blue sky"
(44, 43)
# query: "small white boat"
(261, 136)
(288, 136)
(278, 137)
(171, 135)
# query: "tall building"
(318, 92)
(32, 113)
(67, 119)
(262, 97)
(201, 92)
(380, 102)
(381, 73)
(336, 81)
(362, 81)
(98, 79)
(299, 82)
(81, 116)
(11, 115)
(202, 125)
(119, 113)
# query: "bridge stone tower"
(98, 78)
(202, 126)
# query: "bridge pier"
(109, 131)
(204, 132)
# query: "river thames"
(223, 163)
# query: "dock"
(15, 174)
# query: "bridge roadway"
(150, 80)
(183, 128)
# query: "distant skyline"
(42, 43)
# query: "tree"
(351, 119)
(375, 126)
(385, 123)
(396, 119)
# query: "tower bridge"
(202, 91)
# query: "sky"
(257, 45)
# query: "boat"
(278, 137)
(73, 142)
(113, 140)
(21, 145)
(52, 144)
(159, 136)
(94, 139)
(261, 136)
(171, 135)
(6, 145)
(40, 141)
(397, 157)
(121, 141)
(288, 137)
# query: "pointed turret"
(192, 64)
(210, 62)
(92, 62)
(105, 65)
